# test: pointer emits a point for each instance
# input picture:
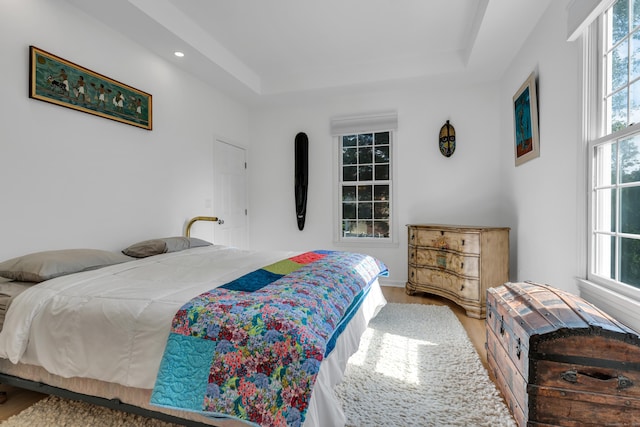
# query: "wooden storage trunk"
(560, 361)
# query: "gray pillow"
(160, 246)
(41, 266)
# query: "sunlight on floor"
(400, 361)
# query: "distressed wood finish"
(458, 262)
(559, 360)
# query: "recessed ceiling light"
(178, 54)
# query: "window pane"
(357, 228)
(635, 55)
(605, 255)
(365, 210)
(605, 161)
(634, 104)
(620, 66)
(381, 192)
(350, 173)
(349, 156)
(365, 139)
(365, 193)
(382, 154)
(381, 210)
(365, 228)
(349, 193)
(349, 210)
(605, 210)
(349, 140)
(382, 172)
(365, 173)
(630, 160)
(349, 228)
(619, 111)
(620, 24)
(381, 229)
(382, 138)
(365, 155)
(630, 210)
(630, 261)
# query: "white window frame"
(594, 123)
(385, 121)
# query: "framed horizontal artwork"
(525, 122)
(61, 82)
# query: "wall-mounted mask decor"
(301, 177)
(447, 140)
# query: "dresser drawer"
(442, 239)
(450, 261)
(467, 288)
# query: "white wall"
(462, 189)
(70, 179)
(541, 195)
(478, 185)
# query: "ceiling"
(253, 49)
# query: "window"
(364, 178)
(365, 185)
(614, 148)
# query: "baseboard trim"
(391, 283)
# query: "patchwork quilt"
(251, 349)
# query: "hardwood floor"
(19, 399)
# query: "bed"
(102, 333)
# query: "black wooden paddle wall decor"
(301, 177)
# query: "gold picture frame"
(61, 82)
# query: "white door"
(230, 194)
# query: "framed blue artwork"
(525, 121)
(61, 82)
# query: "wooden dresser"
(458, 262)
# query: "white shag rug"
(415, 367)
(53, 411)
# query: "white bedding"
(112, 324)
